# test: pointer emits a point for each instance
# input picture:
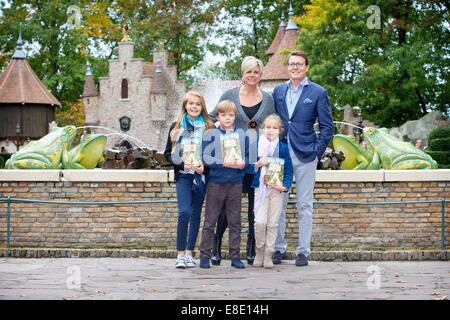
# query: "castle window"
(124, 89)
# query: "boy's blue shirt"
(283, 152)
(217, 172)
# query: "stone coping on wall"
(30, 175)
(316, 255)
(99, 175)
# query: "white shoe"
(190, 262)
(180, 263)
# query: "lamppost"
(18, 139)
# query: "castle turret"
(126, 47)
(291, 24)
(90, 97)
(278, 37)
(158, 97)
(275, 70)
(90, 90)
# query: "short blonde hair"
(226, 106)
(249, 63)
(273, 117)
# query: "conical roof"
(278, 37)
(19, 83)
(275, 68)
(157, 81)
(90, 90)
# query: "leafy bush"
(439, 133)
(440, 157)
(439, 146)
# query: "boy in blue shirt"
(227, 167)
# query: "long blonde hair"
(208, 122)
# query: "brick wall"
(153, 226)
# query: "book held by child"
(274, 172)
(191, 148)
(231, 148)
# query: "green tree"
(180, 25)
(248, 28)
(59, 46)
(56, 50)
(59, 51)
(395, 73)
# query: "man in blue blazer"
(301, 102)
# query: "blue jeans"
(189, 210)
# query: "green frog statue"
(49, 152)
(52, 152)
(383, 151)
(88, 154)
(356, 157)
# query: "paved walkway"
(147, 278)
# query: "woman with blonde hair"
(253, 106)
(183, 151)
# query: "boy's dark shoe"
(301, 260)
(237, 263)
(278, 256)
(204, 263)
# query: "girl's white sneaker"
(190, 263)
(181, 262)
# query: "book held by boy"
(231, 148)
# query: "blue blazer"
(288, 174)
(313, 104)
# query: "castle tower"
(278, 37)
(90, 98)
(158, 98)
(137, 98)
(275, 70)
